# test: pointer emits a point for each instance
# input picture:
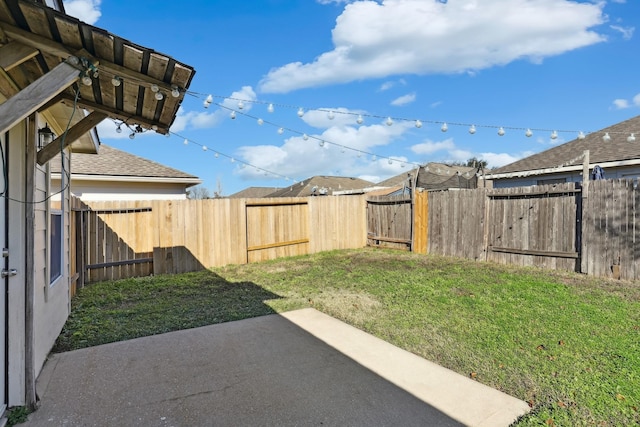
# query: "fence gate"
(277, 229)
(535, 226)
(111, 249)
(389, 221)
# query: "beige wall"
(121, 190)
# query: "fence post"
(584, 265)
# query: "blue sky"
(547, 65)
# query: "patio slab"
(295, 369)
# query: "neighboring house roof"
(398, 179)
(254, 192)
(321, 186)
(616, 152)
(112, 164)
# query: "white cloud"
(430, 147)
(85, 10)
(495, 160)
(621, 104)
(208, 119)
(374, 39)
(627, 32)
(300, 159)
(390, 84)
(404, 100)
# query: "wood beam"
(38, 93)
(58, 49)
(8, 87)
(60, 143)
(114, 113)
(14, 54)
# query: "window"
(55, 248)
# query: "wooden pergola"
(52, 63)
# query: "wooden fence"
(554, 226)
(124, 239)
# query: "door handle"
(8, 273)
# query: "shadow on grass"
(120, 310)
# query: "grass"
(566, 343)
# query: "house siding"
(109, 191)
(52, 301)
(631, 172)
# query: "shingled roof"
(566, 155)
(254, 192)
(436, 176)
(321, 186)
(120, 164)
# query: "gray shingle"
(113, 162)
(330, 183)
(599, 151)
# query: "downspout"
(30, 168)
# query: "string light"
(528, 133)
(280, 131)
(418, 124)
(175, 91)
(330, 115)
(300, 112)
(389, 122)
(260, 122)
(581, 135)
(116, 81)
(444, 127)
(606, 137)
(554, 135)
(270, 108)
(472, 129)
(501, 131)
(159, 96)
(631, 138)
(232, 115)
(359, 120)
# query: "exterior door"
(4, 280)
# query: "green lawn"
(566, 343)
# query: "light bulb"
(270, 108)
(232, 115)
(260, 122)
(631, 138)
(472, 129)
(554, 135)
(444, 127)
(418, 124)
(207, 101)
(321, 143)
(305, 137)
(240, 105)
(581, 135)
(116, 81)
(390, 161)
(86, 80)
(119, 128)
(401, 165)
(280, 131)
(501, 131)
(606, 137)
(300, 112)
(204, 148)
(217, 155)
(159, 96)
(330, 115)
(389, 122)
(528, 133)
(359, 120)
(175, 92)
(154, 127)
(233, 160)
(374, 158)
(154, 88)
(132, 135)
(185, 142)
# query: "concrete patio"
(296, 369)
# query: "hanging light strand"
(360, 117)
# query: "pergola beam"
(60, 143)
(116, 114)
(54, 48)
(14, 54)
(37, 94)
